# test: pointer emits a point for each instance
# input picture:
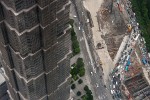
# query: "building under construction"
(134, 79)
(138, 87)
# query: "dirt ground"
(112, 26)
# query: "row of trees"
(142, 10)
(75, 43)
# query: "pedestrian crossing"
(102, 96)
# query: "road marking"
(104, 96)
(99, 97)
(81, 38)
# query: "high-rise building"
(35, 47)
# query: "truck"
(100, 62)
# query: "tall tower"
(35, 47)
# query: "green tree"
(81, 71)
(78, 93)
(142, 9)
(72, 32)
(73, 86)
(80, 81)
(75, 44)
(76, 50)
(71, 22)
(74, 38)
(74, 71)
(86, 88)
(80, 62)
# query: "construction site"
(114, 25)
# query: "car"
(118, 95)
(112, 92)
(119, 76)
(79, 28)
(105, 86)
(97, 85)
(87, 21)
(92, 73)
(74, 16)
(114, 86)
(116, 83)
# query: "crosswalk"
(102, 97)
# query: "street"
(94, 72)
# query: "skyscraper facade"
(35, 48)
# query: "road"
(93, 71)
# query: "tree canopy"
(142, 10)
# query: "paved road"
(93, 71)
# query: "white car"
(87, 21)
(112, 92)
(79, 28)
(116, 83)
(114, 86)
(74, 16)
(92, 73)
(97, 85)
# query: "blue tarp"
(128, 63)
(144, 61)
